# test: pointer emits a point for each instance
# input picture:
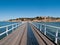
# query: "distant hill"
(37, 19)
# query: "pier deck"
(26, 34)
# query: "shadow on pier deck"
(26, 34)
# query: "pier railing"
(13, 26)
(57, 29)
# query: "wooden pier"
(21, 37)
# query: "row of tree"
(35, 18)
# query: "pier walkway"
(26, 34)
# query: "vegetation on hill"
(35, 18)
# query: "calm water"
(4, 29)
(50, 29)
(6, 23)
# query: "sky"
(11, 9)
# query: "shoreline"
(35, 21)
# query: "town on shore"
(37, 19)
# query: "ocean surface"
(4, 29)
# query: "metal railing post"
(7, 30)
(45, 30)
(36, 25)
(16, 25)
(12, 27)
(56, 38)
(40, 27)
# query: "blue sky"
(10, 9)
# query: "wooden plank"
(40, 41)
(24, 37)
(19, 37)
(14, 38)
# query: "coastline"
(47, 20)
(36, 19)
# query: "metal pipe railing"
(7, 30)
(45, 30)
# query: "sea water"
(4, 29)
